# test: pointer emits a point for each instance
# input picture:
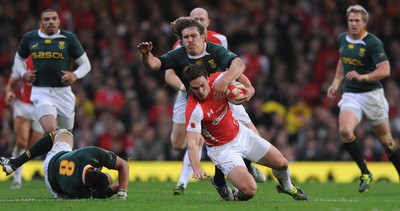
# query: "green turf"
(202, 196)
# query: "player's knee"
(388, 144)
(178, 146)
(178, 142)
(346, 133)
(246, 193)
(281, 163)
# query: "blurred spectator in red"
(326, 59)
(113, 139)
(257, 64)
(161, 107)
(108, 97)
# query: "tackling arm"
(249, 90)
(174, 81)
(234, 71)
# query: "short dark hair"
(96, 180)
(185, 22)
(47, 10)
(192, 72)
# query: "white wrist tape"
(122, 194)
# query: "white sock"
(284, 178)
(187, 171)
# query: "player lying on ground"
(74, 174)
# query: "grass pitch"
(202, 196)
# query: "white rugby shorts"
(247, 144)
(57, 147)
(371, 104)
(28, 112)
(56, 101)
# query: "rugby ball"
(233, 92)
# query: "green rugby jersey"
(362, 56)
(66, 169)
(216, 58)
(51, 55)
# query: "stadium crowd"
(289, 48)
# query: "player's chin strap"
(62, 131)
(122, 194)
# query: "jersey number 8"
(67, 167)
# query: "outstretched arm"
(148, 59)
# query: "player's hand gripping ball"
(233, 92)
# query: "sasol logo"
(351, 61)
(47, 55)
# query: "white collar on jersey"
(45, 36)
(201, 55)
(359, 41)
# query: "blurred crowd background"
(288, 47)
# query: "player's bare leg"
(178, 136)
(280, 168)
(22, 128)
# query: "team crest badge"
(362, 52)
(212, 63)
(61, 45)
(351, 46)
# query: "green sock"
(356, 152)
(41, 147)
(247, 163)
(219, 178)
(394, 157)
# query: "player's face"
(201, 17)
(50, 23)
(193, 41)
(356, 25)
(200, 88)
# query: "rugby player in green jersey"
(52, 51)
(74, 174)
(362, 64)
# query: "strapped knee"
(388, 144)
(62, 131)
